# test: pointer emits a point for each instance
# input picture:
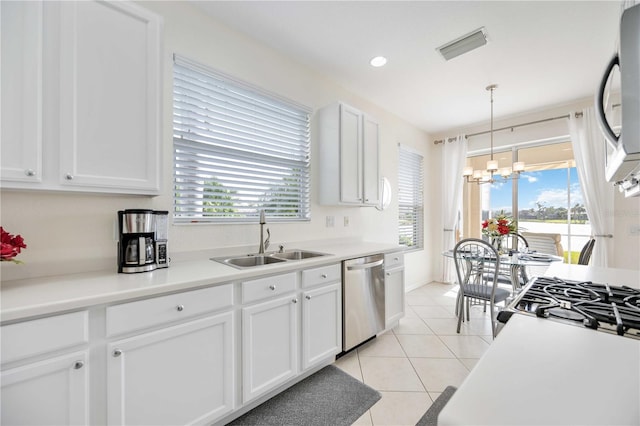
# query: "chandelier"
(487, 176)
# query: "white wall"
(74, 232)
(625, 211)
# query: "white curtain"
(589, 152)
(454, 158)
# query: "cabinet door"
(174, 376)
(109, 96)
(350, 155)
(371, 175)
(269, 345)
(21, 76)
(394, 296)
(321, 324)
(49, 392)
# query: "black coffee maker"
(142, 240)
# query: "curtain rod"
(578, 114)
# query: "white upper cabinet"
(21, 64)
(98, 114)
(349, 170)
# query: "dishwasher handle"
(365, 265)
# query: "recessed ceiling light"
(378, 61)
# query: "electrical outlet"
(346, 221)
(331, 221)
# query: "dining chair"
(514, 243)
(477, 264)
(585, 253)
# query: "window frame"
(410, 197)
(229, 133)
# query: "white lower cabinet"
(394, 289)
(174, 376)
(321, 324)
(269, 345)
(45, 371)
(173, 359)
(49, 392)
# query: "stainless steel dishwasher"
(363, 299)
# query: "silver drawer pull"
(272, 287)
(78, 365)
(324, 275)
(308, 297)
(29, 172)
(68, 176)
(117, 352)
(294, 300)
(180, 308)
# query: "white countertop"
(543, 372)
(41, 296)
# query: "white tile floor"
(412, 364)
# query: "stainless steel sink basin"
(297, 254)
(249, 261)
(253, 260)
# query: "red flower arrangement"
(498, 226)
(10, 246)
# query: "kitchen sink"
(249, 260)
(253, 260)
(297, 254)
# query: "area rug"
(328, 397)
(430, 418)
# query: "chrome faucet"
(264, 244)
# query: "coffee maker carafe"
(142, 242)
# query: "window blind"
(410, 199)
(237, 150)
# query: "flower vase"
(497, 243)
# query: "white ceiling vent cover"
(464, 44)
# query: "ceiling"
(540, 53)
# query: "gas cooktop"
(603, 307)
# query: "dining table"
(517, 263)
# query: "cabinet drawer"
(174, 307)
(393, 260)
(267, 287)
(36, 337)
(322, 275)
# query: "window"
(410, 190)
(237, 150)
(547, 197)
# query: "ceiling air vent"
(463, 44)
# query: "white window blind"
(237, 150)
(410, 199)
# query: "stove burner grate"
(598, 306)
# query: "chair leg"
(460, 310)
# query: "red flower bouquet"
(498, 226)
(10, 246)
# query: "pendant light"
(487, 176)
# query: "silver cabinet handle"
(308, 297)
(294, 300)
(396, 258)
(29, 172)
(68, 176)
(272, 287)
(324, 275)
(180, 308)
(78, 365)
(117, 352)
(388, 274)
